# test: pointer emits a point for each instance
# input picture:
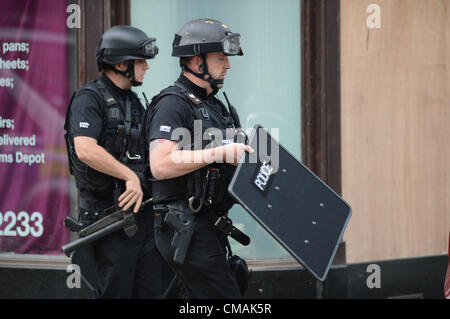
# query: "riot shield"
(290, 202)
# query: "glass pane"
(264, 84)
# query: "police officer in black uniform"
(194, 148)
(108, 160)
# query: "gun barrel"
(83, 241)
(93, 232)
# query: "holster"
(178, 217)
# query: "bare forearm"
(168, 161)
(99, 159)
(182, 162)
(96, 157)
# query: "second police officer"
(192, 159)
(108, 159)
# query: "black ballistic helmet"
(201, 36)
(125, 43)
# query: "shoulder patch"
(165, 128)
(192, 98)
(110, 100)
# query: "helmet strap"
(213, 82)
(129, 74)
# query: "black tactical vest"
(121, 137)
(214, 193)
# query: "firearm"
(183, 233)
(118, 219)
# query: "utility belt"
(92, 210)
(179, 217)
(94, 207)
(221, 222)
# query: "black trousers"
(118, 266)
(205, 272)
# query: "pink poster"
(34, 89)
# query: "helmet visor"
(149, 48)
(231, 44)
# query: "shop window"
(264, 84)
